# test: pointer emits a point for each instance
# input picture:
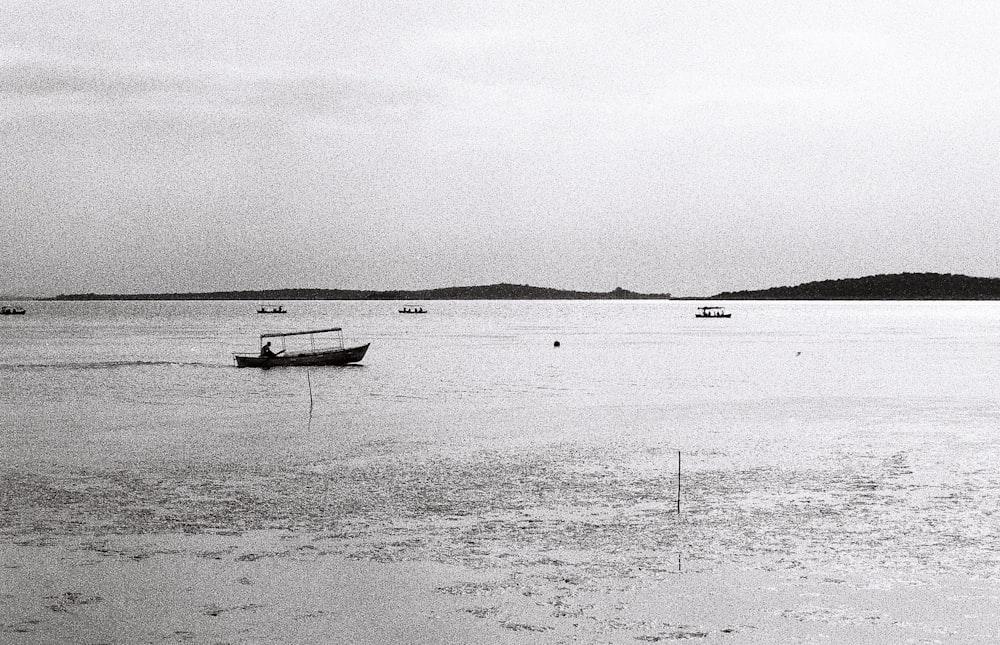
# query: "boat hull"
(318, 358)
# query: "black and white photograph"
(513, 323)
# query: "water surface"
(845, 441)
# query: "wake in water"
(108, 365)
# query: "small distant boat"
(412, 309)
(11, 311)
(272, 309)
(712, 312)
(334, 353)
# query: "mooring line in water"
(309, 381)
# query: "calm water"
(808, 375)
(856, 439)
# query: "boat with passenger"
(323, 347)
(271, 309)
(8, 310)
(712, 312)
(412, 309)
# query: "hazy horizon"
(688, 149)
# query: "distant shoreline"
(899, 286)
(488, 292)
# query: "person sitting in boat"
(265, 351)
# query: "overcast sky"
(688, 147)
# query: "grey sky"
(689, 147)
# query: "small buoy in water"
(555, 344)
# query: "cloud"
(52, 77)
(44, 85)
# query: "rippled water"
(855, 441)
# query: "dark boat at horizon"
(712, 312)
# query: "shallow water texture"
(471, 482)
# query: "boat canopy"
(300, 333)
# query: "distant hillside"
(488, 292)
(899, 286)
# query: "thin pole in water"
(678, 502)
(678, 482)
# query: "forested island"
(487, 292)
(898, 286)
